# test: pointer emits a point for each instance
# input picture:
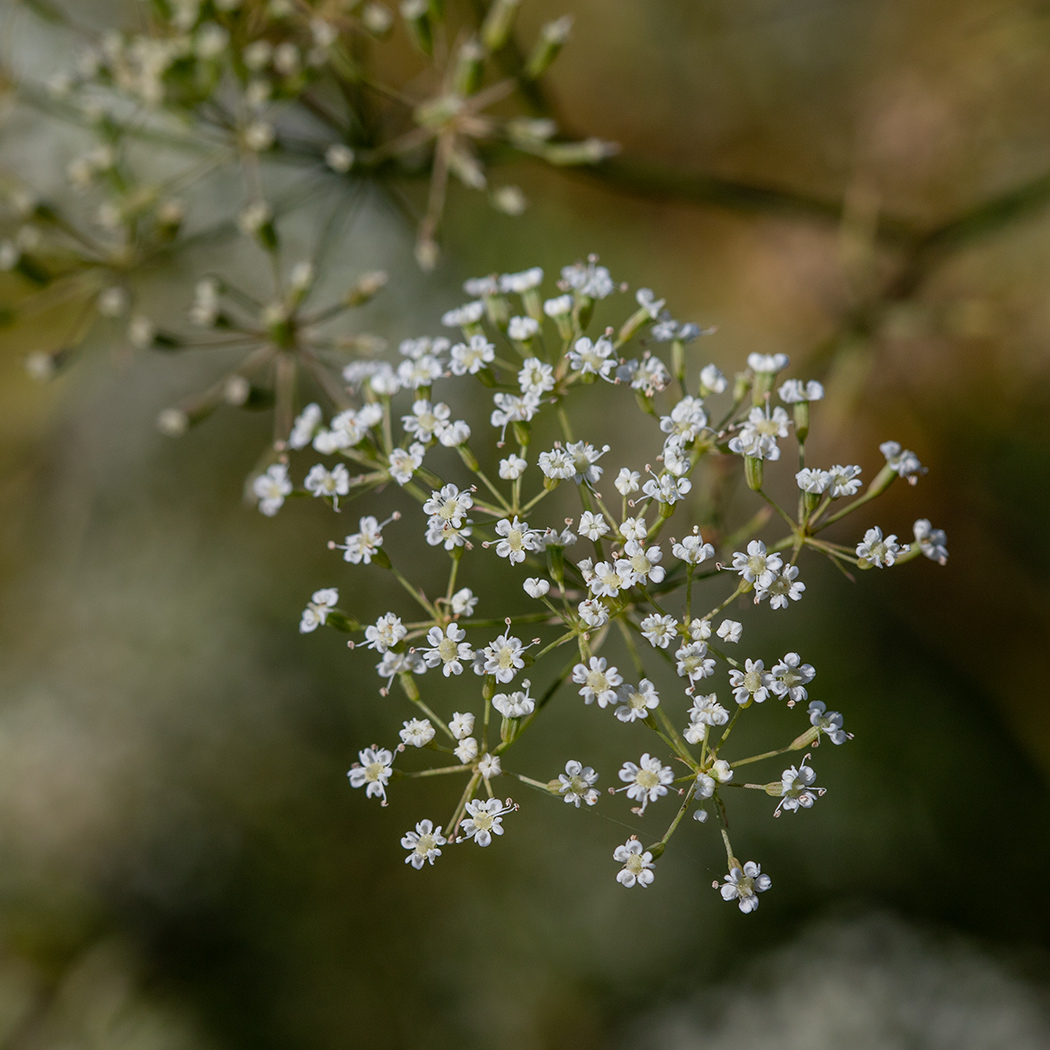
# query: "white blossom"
(471, 357)
(593, 526)
(743, 886)
(317, 609)
(932, 542)
(517, 704)
(646, 781)
(328, 483)
(489, 766)
(754, 683)
(593, 612)
(693, 662)
(903, 461)
(758, 436)
(592, 358)
(730, 631)
(511, 468)
(423, 844)
(843, 481)
(535, 587)
(692, 549)
(659, 630)
(597, 681)
(517, 539)
(712, 379)
(361, 546)
(502, 658)
(466, 750)
(790, 678)
(385, 633)
(577, 784)
(535, 376)
(447, 649)
(829, 722)
(405, 462)
(304, 427)
(878, 550)
(796, 788)
(767, 363)
(637, 864)
(627, 481)
(757, 566)
(463, 602)
(636, 702)
(485, 819)
(462, 724)
(271, 489)
(812, 480)
(794, 390)
(417, 732)
(372, 772)
(780, 588)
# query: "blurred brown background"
(864, 185)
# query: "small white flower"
(932, 542)
(693, 662)
(462, 724)
(271, 489)
(667, 488)
(463, 602)
(768, 363)
(644, 561)
(558, 464)
(385, 633)
(305, 426)
(744, 886)
(627, 481)
(362, 545)
(594, 612)
(692, 550)
(328, 483)
(730, 631)
(796, 788)
(515, 705)
(647, 781)
(522, 329)
(502, 658)
(758, 436)
(753, 684)
(467, 750)
(511, 468)
(706, 711)
(464, 316)
(593, 358)
(712, 379)
(609, 578)
(597, 681)
(686, 420)
(659, 630)
(636, 702)
(536, 587)
(633, 529)
(558, 307)
(593, 526)
(790, 678)
(489, 766)
(471, 357)
(700, 629)
(877, 550)
(405, 462)
(418, 372)
(903, 461)
(519, 283)
(417, 732)
(829, 722)
(449, 504)
(843, 481)
(317, 610)
(425, 419)
(485, 819)
(794, 390)
(535, 376)
(517, 539)
(577, 784)
(448, 649)
(372, 772)
(423, 844)
(637, 864)
(780, 588)
(812, 480)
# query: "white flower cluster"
(664, 596)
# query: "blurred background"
(862, 184)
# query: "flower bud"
(495, 30)
(551, 40)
